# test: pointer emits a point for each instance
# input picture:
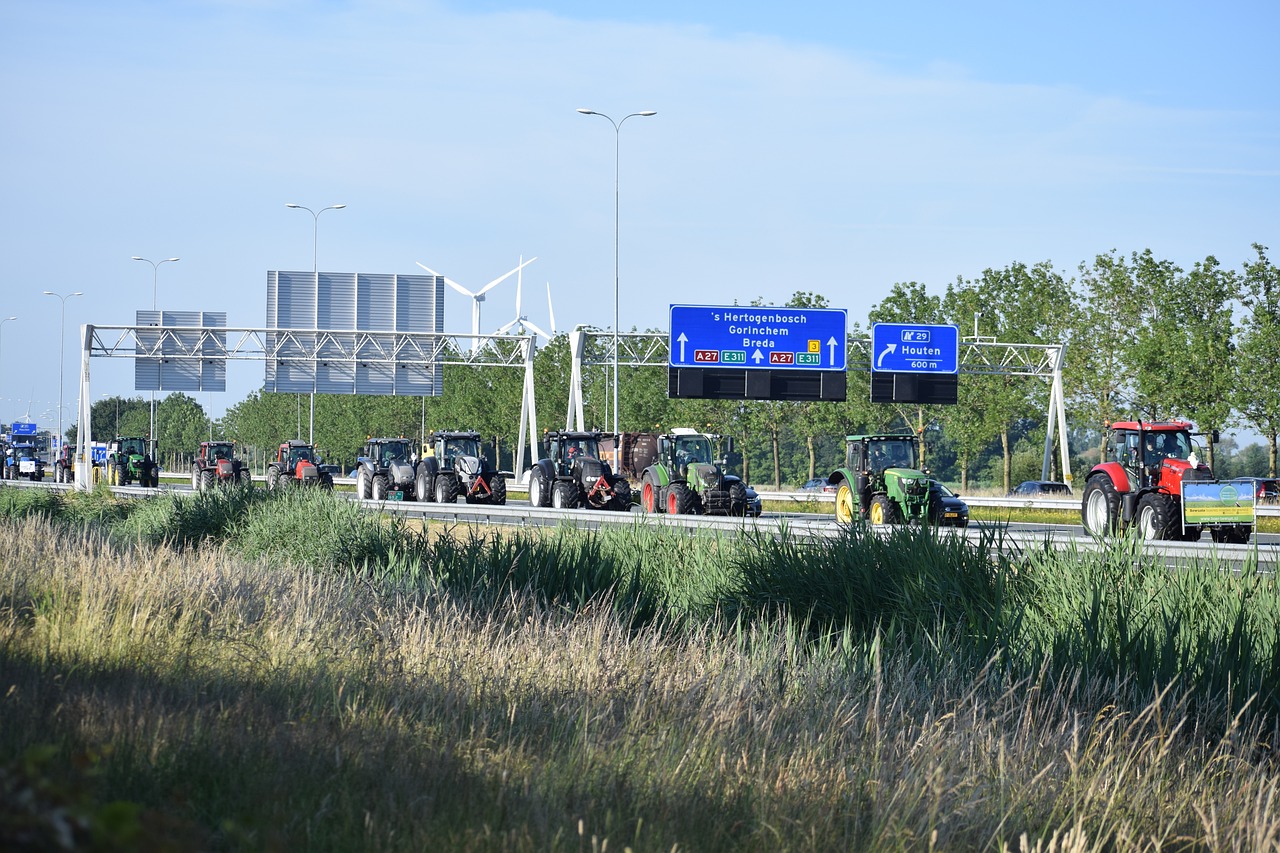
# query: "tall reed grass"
(363, 686)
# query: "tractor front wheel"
(883, 510)
(679, 499)
(846, 503)
(446, 490)
(737, 499)
(379, 487)
(273, 478)
(621, 501)
(423, 487)
(207, 479)
(195, 478)
(498, 490)
(1155, 517)
(564, 495)
(538, 494)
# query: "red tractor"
(297, 464)
(1139, 482)
(216, 463)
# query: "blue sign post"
(770, 337)
(914, 348)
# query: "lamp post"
(62, 346)
(617, 161)
(155, 279)
(315, 268)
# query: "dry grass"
(236, 705)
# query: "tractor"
(1140, 482)
(573, 475)
(385, 470)
(21, 461)
(217, 463)
(880, 481)
(453, 466)
(296, 463)
(129, 460)
(683, 479)
(64, 467)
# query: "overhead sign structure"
(750, 337)
(22, 428)
(914, 348)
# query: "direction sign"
(914, 348)
(758, 337)
(23, 429)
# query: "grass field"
(246, 671)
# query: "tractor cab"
(684, 449)
(450, 447)
(568, 448)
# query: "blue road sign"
(915, 348)
(765, 337)
(23, 428)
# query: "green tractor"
(129, 460)
(881, 483)
(684, 479)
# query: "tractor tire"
(565, 494)
(273, 478)
(621, 501)
(650, 496)
(884, 511)
(326, 482)
(207, 479)
(363, 486)
(1155, 519)
(379, 487)
(423, 487)
(498, 490)
(679, 499)
(539, 492)
(846, 503)
(738, 499)
(195, 478)
(1100, 507)
(446, 490)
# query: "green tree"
(1257, 381)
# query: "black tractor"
(572, 475)
(453, 466)
(385, 470)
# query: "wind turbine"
(522, 320)
(478, 296)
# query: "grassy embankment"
(249, 671)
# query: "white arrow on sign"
(889, 348)
(757, 356)
(683, 340)
(831, 345)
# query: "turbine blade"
(447, 280)
(508, 327)
(508, 275)
(552, 311)
(535, 329)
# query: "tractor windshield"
(573, 449)
(1159, 446)
(893, 453)
(694, 448)
(458, 447)
(133, 447)
(299, 454)
(220, 451)
(394, 450)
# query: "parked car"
(951, 512)
(819, 484)
(753, 503)
(1041, 489)
(1265, 490)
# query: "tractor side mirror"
(1213, 436)
(728, 444)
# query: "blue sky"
(835, 148)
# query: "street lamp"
(155, 277)
(62, 346)
(617, 151)
(315, 268)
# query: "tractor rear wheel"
(206, 479)
(195, 478)
(621, 501)
(446, 490)
(679, 499)
(1100, 506)
(737, 499)
(1155, 517)
(650, 495)
(884, 511)
(846, 503)
(498, 490)
(273, 478)
(423, 488)
(379, 487)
